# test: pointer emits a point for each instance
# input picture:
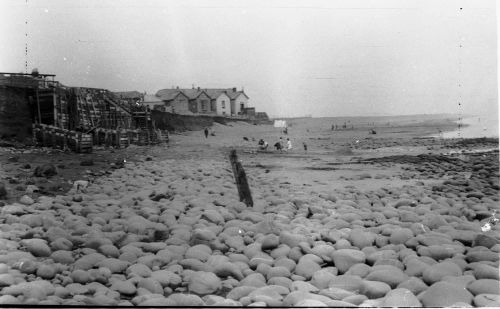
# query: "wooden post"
(38, 107)
(54, 101)
(241, 179)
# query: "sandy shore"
(391, 219)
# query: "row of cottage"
(222, 102)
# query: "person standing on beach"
(288, 144)
(206, 132)
(305, 146)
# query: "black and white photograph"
(249, 153)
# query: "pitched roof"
(192, 93)
(168, 94)
(128, 94)
(215, 93)
(235, 94)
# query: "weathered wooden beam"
(38, 106)
(241, 179)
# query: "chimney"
(234, 89)
(177, 87)
(192, 86)
(198, 88)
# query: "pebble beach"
(396, 219)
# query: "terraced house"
(223, 102)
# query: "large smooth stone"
(415, 267)
(46, 271)
(345, 258)
(482, 255)
(241, 291)
(374, 289)
(306, 268)
(388, 274)
(151, 285)
(401, 298)
(360, 238)
(347, 282)
(485, 241)
(484, 286)
(303, 286)
(310, 303)
(414, 285)
(203, 283)
(186, 300)
(228, 269)
(115, 265)
(444, 294)
(484, 271)
(291, 239)
(270, 242)
(278, 271)
(255, 279)
(200, 252)
(359, 269)
(62, 256)
(321, 278)
(166, 278)
(336, 293)
(487, 300)
(138, 270)
(124, 287)
(37, 247)
(214, 216)
(88, 261)
(436, 272)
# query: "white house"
(221, 101)
(239, 101)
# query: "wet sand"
(391, 219)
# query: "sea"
(472, 126)
(475, 127)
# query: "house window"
(223, 113)
(242, 105)
(223, 104)
(204, 105)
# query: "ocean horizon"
(475, 127)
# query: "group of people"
(279, 145)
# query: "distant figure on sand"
(288, 144)
(206, 132)
(263, 144)
(305, 146)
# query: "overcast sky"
(325, 58)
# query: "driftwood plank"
(241, 179)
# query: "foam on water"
(476, 127)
